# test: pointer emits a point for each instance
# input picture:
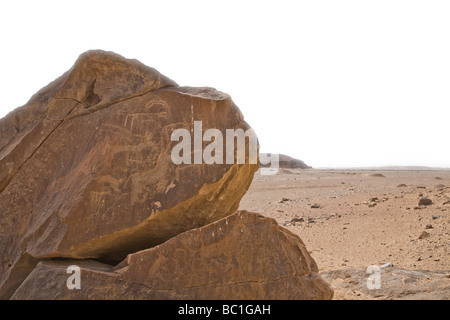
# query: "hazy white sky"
(334, 83)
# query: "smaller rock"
(401, 185)
(428, 226)
(297, 219)
(283, 200)
(387, 265)
(424, 235)
(371, 205)
(421, 187)
(293, 221)
(434, 217)
(425, 202)
(440, 186)
(315, 206)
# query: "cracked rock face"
(242, 256)
(86, 169)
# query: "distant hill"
(386, 168)
(287, 162)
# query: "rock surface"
(86, 169)
(242, 256)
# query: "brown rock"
(424, 235)
(86, 168)
(243, 256)
(377, 175)
(297, 219)
(283, 200)
(425, 202)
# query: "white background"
(334, 83)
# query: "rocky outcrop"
(86, 169)
(242, 256)
(286, 162)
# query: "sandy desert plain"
(355, 218)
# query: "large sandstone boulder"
(242, 256)
(86, 169)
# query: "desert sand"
(352, 219)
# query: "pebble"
(424, 235)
